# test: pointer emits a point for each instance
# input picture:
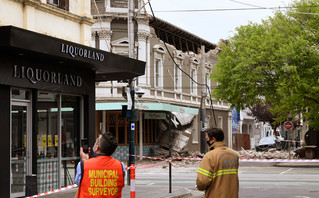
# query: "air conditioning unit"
(53, 2)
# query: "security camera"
(139, 91)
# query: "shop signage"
(35, 75)
(81, 52)
(155, 116)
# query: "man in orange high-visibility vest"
(101, 175)
(218, 171)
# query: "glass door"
(21, 147)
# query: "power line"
(284, 9)
(225, 9)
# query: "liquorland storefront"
(47, 105)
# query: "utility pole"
(202, 105)
(131, 135)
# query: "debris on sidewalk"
(270, 154)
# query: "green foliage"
(274, 62)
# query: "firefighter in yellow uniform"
(217, 174)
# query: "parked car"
(272, 140)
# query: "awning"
(148, 107)
(107, 66)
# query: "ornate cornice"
(142, 36)
(105, 34)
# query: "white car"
(272, 140)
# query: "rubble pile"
(185, 153)
(270, 154)
(164, 153)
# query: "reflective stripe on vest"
(218, 173)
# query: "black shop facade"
(47, 93)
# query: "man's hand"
(84, 156)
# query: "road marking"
(301, 197)
(287, 183)
(286, 171)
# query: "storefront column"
(141, 134)
(103, 121)
(5, 169)
(59, 117)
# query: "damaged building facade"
(173, 58)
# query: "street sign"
(288, 125)
(132, 126)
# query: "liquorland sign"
(74, 51)
(35, 75)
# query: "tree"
(274, 62)
(262, 114)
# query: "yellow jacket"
(218, 172)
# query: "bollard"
(132, 170)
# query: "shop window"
(51, 107)
(116, 124)
(63, 4)
(112, 124)
(120, 127)
(121, 130)
(150, 131)
(20, 94)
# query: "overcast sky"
(213, 25)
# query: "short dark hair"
(215, 132)
(107, 143)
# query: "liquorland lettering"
(35, 75)
(81, 52)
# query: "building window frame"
(193, 73)
(220, 122)
(159, 57)
(63, 4)
(178, 66)
(158, 73)
(208, 70)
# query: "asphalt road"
(259, 180)
(279, 182)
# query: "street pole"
(131, 135)
(202, 105)
(170, 151)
